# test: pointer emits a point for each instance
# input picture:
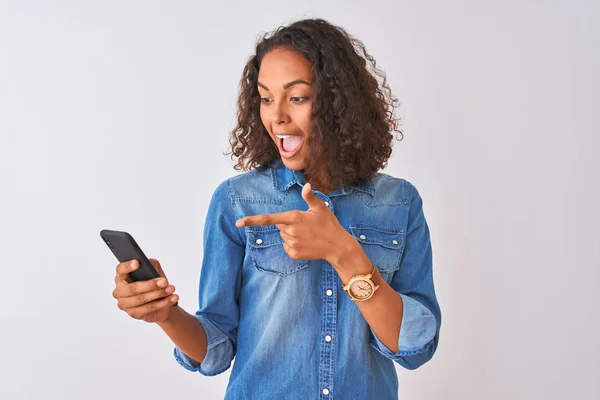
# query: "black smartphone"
(125, 248)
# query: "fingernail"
(173, 299)
(132, 264)
(161, 283)
(170, 289)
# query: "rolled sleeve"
(421, 318)
(219, 353)
(416, 332)
(219, 286)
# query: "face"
(284, 85)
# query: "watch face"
(361, 289)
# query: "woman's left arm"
(383, 312)
(404, 316)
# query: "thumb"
(309, 197)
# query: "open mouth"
(289, 145)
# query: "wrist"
(171, 316)
(345, 250)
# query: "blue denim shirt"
(294, 332)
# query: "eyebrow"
(288, 85)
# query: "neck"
(321, 187)
(318, 182)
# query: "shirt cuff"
(219, 352)
(417, 331)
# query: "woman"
(317, 268)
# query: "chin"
(296, 165)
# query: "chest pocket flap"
(267, 253)
(383, 246)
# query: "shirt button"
(258, 241)
(325, 391)
(363, 237)
(395, 241)
(328, 338)
(327, 203)
(329, 292)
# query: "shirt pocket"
(383, 246)
(267, 253)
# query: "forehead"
(282, 65)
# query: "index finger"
(286, 217)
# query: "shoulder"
(391, 189)
(255, 179)
(247, 186)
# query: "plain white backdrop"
(116, 115)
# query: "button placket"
(328, 329)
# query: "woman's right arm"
(152, 301)
(186, 332)
(205, 341)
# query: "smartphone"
(125, 248)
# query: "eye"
(298, 99)
(265, 100)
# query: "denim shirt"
(294, 332)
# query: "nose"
(279, 113)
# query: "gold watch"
(361, 287)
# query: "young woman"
(317, 268)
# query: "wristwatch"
(361, 287)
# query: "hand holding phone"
(142, 290)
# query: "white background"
(116, 114)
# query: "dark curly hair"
(352, 116)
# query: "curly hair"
(352, 117)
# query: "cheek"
(304, 121)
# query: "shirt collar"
(284, 178)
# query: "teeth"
(283, 136)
